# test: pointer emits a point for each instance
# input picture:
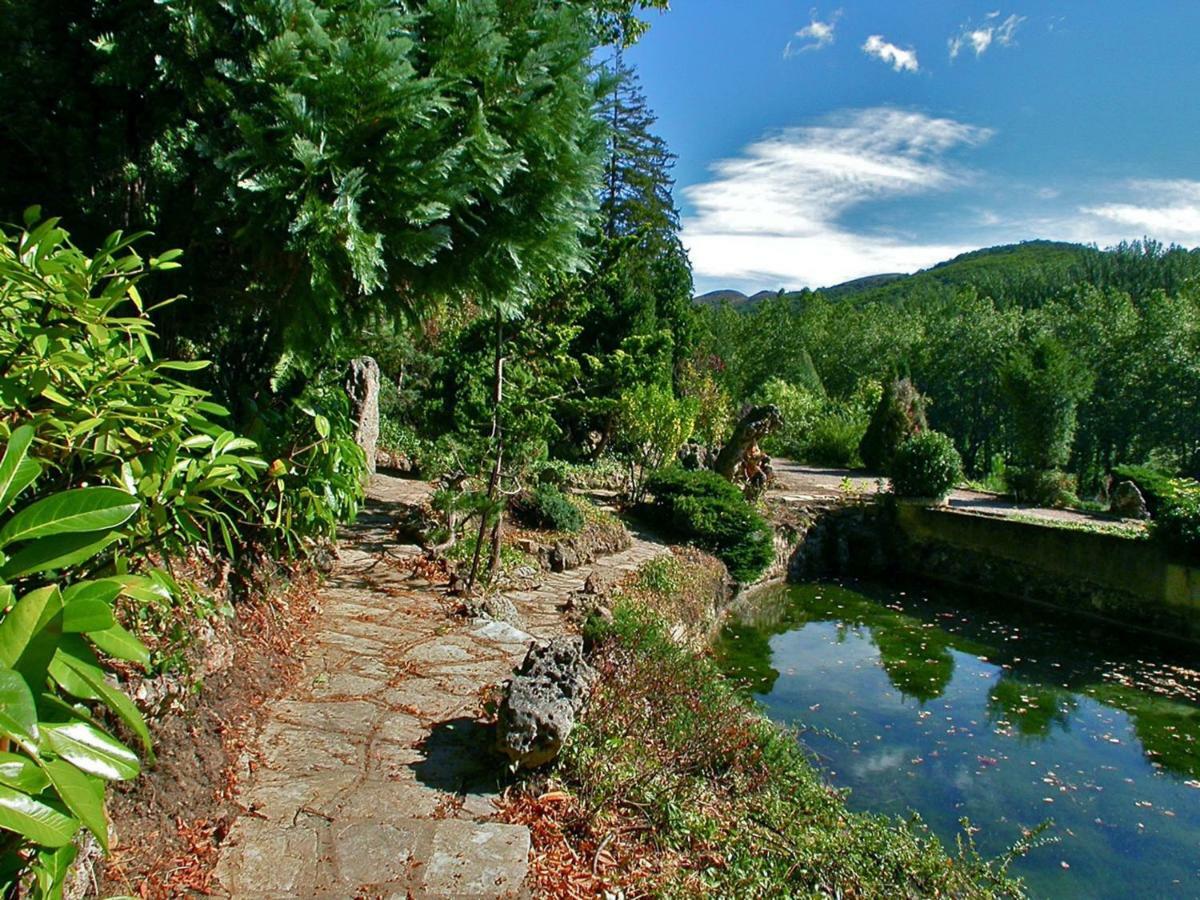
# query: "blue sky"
(822, 143)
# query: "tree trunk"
(755, 424)
(497, 438)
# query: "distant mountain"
(736, 299)
(1030, 269)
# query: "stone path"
(374, 777)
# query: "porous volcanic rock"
(542, 701)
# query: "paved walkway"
(794, 481)
(374, 777)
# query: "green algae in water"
(954, 705)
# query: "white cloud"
(980, 39)
(899, 59)
(773, 214)
(813, 36)
(1163, 209)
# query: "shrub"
(899, 415)
(1177, 522)
(107, 457)
(1155, 485)
(926, 465)
(800, 409)
(548, 507)
(652, 425)
(704, 508)
(1042, 487)
(834, 441)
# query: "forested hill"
(1037, 267)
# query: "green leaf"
(27, 472)
(22, 773)
(14, 456)
(106, 591)
(119, 643)
(51, 869)
(181, 366)
(70, 512)
(56, 552)
(80, 659)
(87, 615)
(35, 820)
(18, 714)
(30, 633)
(91, 750)
(83, 795)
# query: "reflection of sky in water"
(933, 703)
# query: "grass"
(675, 785)
(1133, 530)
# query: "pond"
(956, 706)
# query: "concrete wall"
(1119, 578)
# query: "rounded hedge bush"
(926, 466)
(548, 507)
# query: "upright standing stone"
(362, 384)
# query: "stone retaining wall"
(1109, 576)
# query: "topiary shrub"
(1177, 521)
(705, 509)
(549, 508)
(899, 415)
(926, 466)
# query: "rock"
(362, 384)
(693, 456)
(542, 701)
(563, 556)
(496, 607)
(1128, 502)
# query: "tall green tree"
(634, 307)
(321, 162)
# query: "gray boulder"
(1128, 502)
(542, 701)
(362, 384)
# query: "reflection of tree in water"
(1032, 708)
(744, 654)
(916, 659)
(1169, 731)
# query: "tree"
(634, 307)
(320, 162)
(899, 415)
(1044, 385)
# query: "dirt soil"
(170, 823)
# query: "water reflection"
(954, 705)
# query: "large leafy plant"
(55, 754)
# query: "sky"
(817, 144)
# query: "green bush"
(107, 458)
(548, 507)
(705, 509)
(833, 441)
(1177, 522)
(927, 466)
(1042, 487)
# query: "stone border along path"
(373, 776)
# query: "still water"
(1009, 715)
